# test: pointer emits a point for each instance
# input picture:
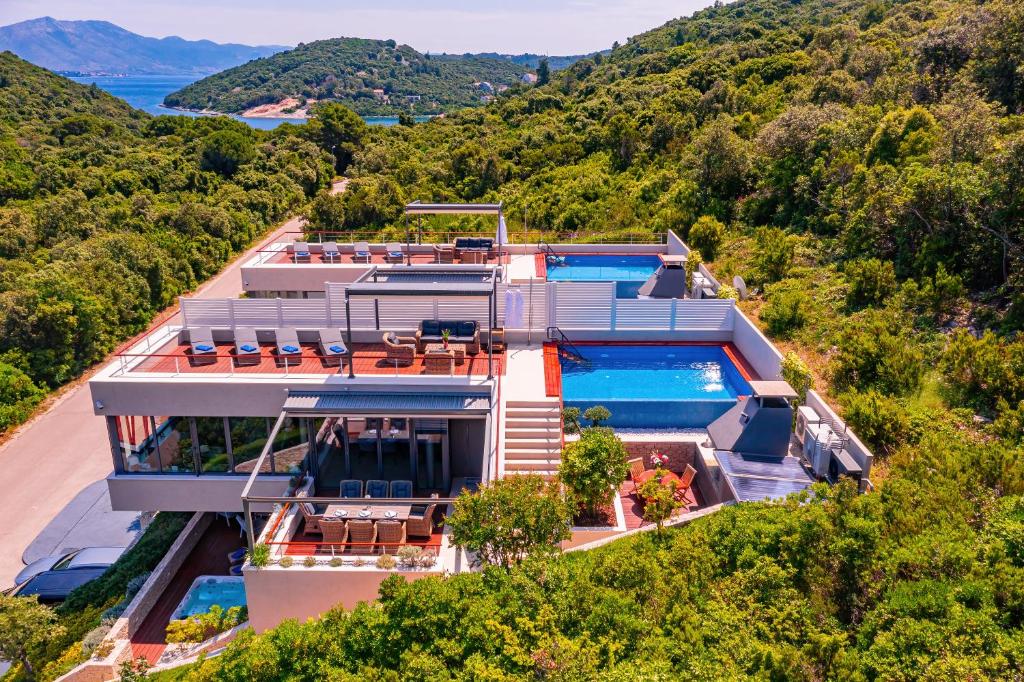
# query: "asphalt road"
(48, 464)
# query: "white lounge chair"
(330, 251)
(203, 348)
(361, 252)
(332, 347)
(287, 342)
(394, 252)
(300, 251)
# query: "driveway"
(63, 452)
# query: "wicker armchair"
(421, 525)
(444, 253)
(310, 514)
(400, 348)
(362, 533)
(335, 533)
(391, 535)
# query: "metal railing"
(559, 337)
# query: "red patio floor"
(370, 358)
(209, 557)
(552, 371)
(280, 257)
(633, 510)
(305, 544)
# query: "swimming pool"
(223, 590)
(629, 271)
(654, 386)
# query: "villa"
(337, 409)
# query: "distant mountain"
(532, 61)
(373, 77)
(92, 47)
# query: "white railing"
(592, 306)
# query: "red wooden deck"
(279, 257)
(552, 371)
(540, 266)
(209, 557)
(305, 544)
(633, 510)
(370, 358)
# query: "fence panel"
(583, 305)
(643, 314)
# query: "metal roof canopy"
(320, 403)
(483, 284)
(419, 208)
(753, 477)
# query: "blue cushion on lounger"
(203, 347)
(431, 328)
(466, 329)
(336, 348)
(248, 347)
(395, 254)
(290, 349)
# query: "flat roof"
(420, 281)
(756, 477)
(772, 389)
(420, 208)
(367, 402)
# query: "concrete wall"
(173, 492)
(755, 347)
(274, 594)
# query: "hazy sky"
(542, 26)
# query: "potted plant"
(445, 334)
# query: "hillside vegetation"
(107, 214)
(348, 70)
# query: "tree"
(773, 254)
(659, 501)
(694, 260)
(338, 130)
(327, 211)
(706, 236)
(225, 150)
(510, 519)
(797, 374)
(871, 281)
(593, 468)
(597, 414)
(406, 119)
(543, 72)
(24, 625)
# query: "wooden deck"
(552, 371)
(282, 257)
(370, 358)
(633, 510)
(209, 557)
(306, 544)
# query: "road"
(48, 461)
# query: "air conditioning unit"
(819, 440)
(805, 416)
(842, 464)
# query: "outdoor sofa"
(481, 244)
(460, 331)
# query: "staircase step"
(539, 402)
(548, 474)
(532, 423)
(536, 412)
(531, 465)
(554, 443)
(545, 432)
(519, 453)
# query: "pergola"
(437, 281)
(418, 208)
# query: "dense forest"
(859, 164)
(107, 214)
(349, 70)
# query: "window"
(176, 447)
(290, 446)
(213, 447)
(248, 436)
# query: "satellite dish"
(740, 286)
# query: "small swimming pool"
(628, 271)
(661, 387)
(223, 590)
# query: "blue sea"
(148, 92)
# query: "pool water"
(629, 272)
(654, 386)
(207, 590)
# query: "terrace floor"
(633, 509)
(312, 544)
(369, 358)
(282, 257)
(208, 557)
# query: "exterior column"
(115, 444)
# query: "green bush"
(693, 263)
(773, 254)
(706, 236)
(871, 281)
(725, 291)
(259, 557)
(879, 421)
(593, 468)
(979, 372)
(571, 420)
(784, 312)
(875, 352)
(797, 374)
(201, 627)
(597, 414)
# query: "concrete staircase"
(533, 436)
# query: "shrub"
(593, 468)
(597, 414)
(285, 562)
(706, 236)
(336, 561)
(201, 627)
(93, 638)
(784, 313)
(510, 519)
(981, 372)
(875, 353)
(1010, 422)
(260, 555)
(773, 254)
(871, 282)
(881, 422)
(309, 561)
(797, 374)
(693, 263)
(726, 291)
(571, 420)
(386, 562)
(659, 501)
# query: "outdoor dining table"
(667, 478)
(377, 511)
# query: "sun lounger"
(247, 348)
(203, 348)
(361, 252)
(332, 348)
(331, 251)
(394, 252)
(300, 251)
(287, 342)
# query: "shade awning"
(417, 207)
(339, 403)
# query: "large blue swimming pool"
(654, 386)
(629, 272)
